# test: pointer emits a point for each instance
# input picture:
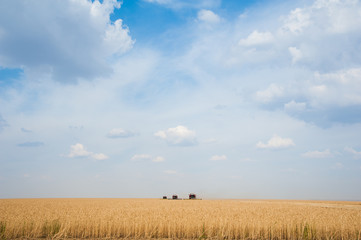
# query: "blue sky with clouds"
(145, 98)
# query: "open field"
(178, 219)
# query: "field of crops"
(178, 219)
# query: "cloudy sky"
(145, 98)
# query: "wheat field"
(178, 219)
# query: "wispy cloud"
(272, 92)
(257, 38)
(218, 158)
(338, 165)
(120, 133)
(147, 157)
(170, 172)
(355, 153)
(276, 142)
(318, 154)
(24, 130)
(294, 107)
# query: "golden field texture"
(178, 219)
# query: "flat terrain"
(178, 219)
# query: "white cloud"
(117, 38)
(63, 39)
(158, 159)
(99, 156)
(78, 150)
(257, 38)
(178, 136)
(276, 142)
(218, 158)
(318, 89)
(340, 15)
(272, 92)
(296, 54)
(294, 106)
(161, 134)
(297, 20)
(147, 157)
(119, 133)
(208, 16)
(138, 157)
(318, 29)
(318, 154)
(355, 153)
(338, 88)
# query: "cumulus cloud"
(318, 154)
(64, 39)
(208, 16)
(31, 144)
(178, 136)
(218, 158)
(319, 28)
(79, 151)
(276, 142)
(268, 95)
(147, 157)
(355, 153)
(257, 38)
(120, 133)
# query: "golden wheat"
(178, 219)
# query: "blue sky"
(145, 98)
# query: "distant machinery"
(192, 196)
(175, 197)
